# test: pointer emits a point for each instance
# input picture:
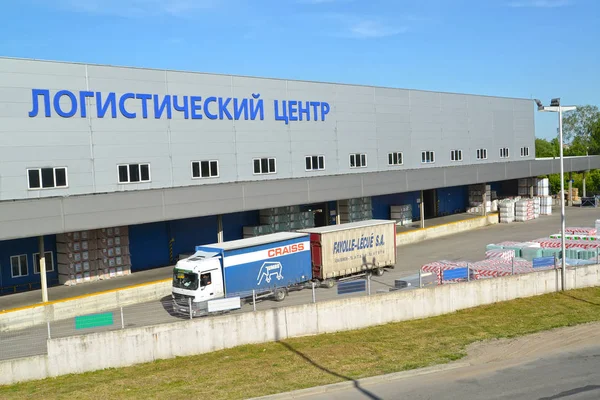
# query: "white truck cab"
(198, 278)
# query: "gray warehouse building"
(149, 163)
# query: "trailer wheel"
(328, 283)
(279, 294)
(379, 271)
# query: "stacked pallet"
(545, 205)
(575, 195)
(507, 211)
(354, 210)
(401, 214)
(113, 252)
(88, 256)
(536, 207)
(542, 187)
(524, 210)
(76, 255)
(524, 186)
(476, 202)
(280, 219)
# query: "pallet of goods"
(524, 210)
(401, 214)
(88, 256)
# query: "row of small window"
(19, 265)
(48, 178)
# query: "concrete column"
(219, 229)
(570, 202)
(584, 176)
(422, 211)
(531, 189)
(42, 259)
(484, 193)
(337, 212)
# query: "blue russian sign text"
(66, 104)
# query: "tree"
(580, 124)
(545, 148)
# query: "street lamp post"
(556, 107)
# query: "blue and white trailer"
(263, 266)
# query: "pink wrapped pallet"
(504, 254)
(581, 231)
(493, 268)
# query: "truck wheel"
(379, 271)
(279, 294)
(329, 283)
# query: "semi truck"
(258, 267)
(270, 266)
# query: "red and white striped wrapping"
(493, 268)
(581, 231)
(503, 254)
(438, 267)
(547, 243)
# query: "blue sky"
(515, 48)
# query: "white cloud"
(372, 29)
(362, 27)
(137, 8)
(540, 3)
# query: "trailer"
(346, 250)
(258, 267)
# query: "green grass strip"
(257, 370)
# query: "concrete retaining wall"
(450, 228)
(132, 346)
(69, 308)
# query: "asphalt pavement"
(469, 246)
(562, 372)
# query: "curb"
(363, 382)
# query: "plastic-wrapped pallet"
(523, 186)
(401, 214)
(581, 231)
(524, 210)
(536, 207)
(504, 254)
(507, 211)
(546, 205)
(598, 225)
(542, 188)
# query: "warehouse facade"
(178, 159)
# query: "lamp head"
(555, 102)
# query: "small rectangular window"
(49, 262)
(482, 154)
(314, 163)
(265, 166)
(205, 169)
(19, 266)
(358, 160)
(504, 152)
(34, 178)
(133, 173)
(47, 178)
(395, 158)
(524, 151)
(456, 155)
(427, 157)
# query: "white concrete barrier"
(25, 317)
(450, 228)
(126, 347)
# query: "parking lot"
(468, 246)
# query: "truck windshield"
(185, 280)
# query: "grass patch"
(256, 370)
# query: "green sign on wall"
(93, 320)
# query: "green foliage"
(580, 124)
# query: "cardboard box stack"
(353, 210)
(113, 252)
(77, 258)
(476, 203)
(280, 219)
(401, 214)
(88, 256)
